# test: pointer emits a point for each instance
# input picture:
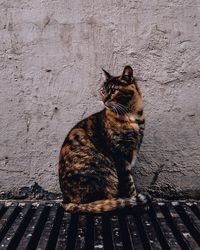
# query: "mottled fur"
(98, 154)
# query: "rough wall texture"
(50, 58)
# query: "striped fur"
(99, 153)
(100, 206)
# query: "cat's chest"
(123, 132)
(124, 142)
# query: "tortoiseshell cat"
(99, 153)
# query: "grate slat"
(125, 233)
(7, 219)
(32, 234)
(194, 218)
(2, 209)
(158, 230)
(107, 233)
(116, 233)
(142, 232)
(45, 226)
(150, 230)
(165, 228)
(49, 235)
(17, 229)
(63, 232)
(181, 226)
(173, 225)
(134, 233)
(189, 223)
(89, 240)
(195, 210)
(81, 232)
(98, 233)
(72, 232)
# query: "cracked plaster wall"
(50, 58)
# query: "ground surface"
(44, 225)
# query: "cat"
(98, 154)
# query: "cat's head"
(121, 93)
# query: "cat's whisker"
(125, 111)
(114, 109)
(118, 110)
(123, 106)
(121, 109)
(119, 105)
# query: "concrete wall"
(50, 58)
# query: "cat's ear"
(128, 72)
(107, 76)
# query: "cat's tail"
(106, 205)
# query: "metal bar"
(117, 237)
(89, 240)
(38, 228)
(55, 230)
(173, 225)
(172, 241)
(125, 233)
(98, 232)
(166, 225)
(192, 215)
(2, 209)
(134, 233)
(33, 231)
(7, 220)
(189, 223)
(158, 230)
(107, 233)
(150, 230)
(81, 233)
(49, 235)
(181, 226)
(196, 210)
(17, 229)
(72, 232)
(143, 235)
(63, 232)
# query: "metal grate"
(166, 225)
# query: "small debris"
(33, 192)
(175, 203)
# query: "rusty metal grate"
(167, 225)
